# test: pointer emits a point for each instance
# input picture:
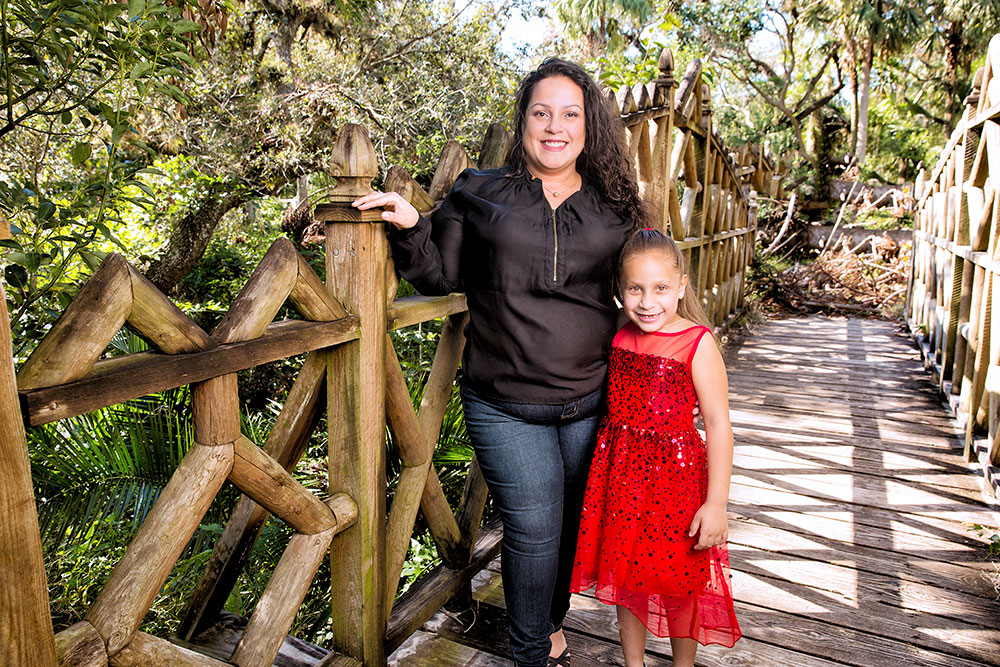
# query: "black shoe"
(562, 661)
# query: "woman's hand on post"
(395, 209)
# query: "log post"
(162, 323)
(215, 404)
(25, 625)
(356, 257)
(453, 161)
(287, 588)
(83, 331)
(494, 148)
(262, 296)
(663, 190)
(79, 645)
(415, 457)
(148, 651)
(139, 575)
(268, 483)
(286, 443)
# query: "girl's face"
(554, 127)
(652, 287)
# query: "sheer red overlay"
(648, 477)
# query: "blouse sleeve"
(429, 255)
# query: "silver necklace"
(555, 193)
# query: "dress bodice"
(649, 380)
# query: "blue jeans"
(535, 460)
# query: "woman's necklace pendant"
(554, 193)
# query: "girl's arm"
(709, 374)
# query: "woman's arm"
(428, 254)
(710, 383)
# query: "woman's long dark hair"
(605, 160)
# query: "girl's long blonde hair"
(652, 240)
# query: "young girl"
(652, 538)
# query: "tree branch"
(815, 81)
(817, 104)
(914, 107)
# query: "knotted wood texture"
(356, 257)
(954, 291)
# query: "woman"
(533, 245)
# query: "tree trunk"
(803, 149)
(852, 84)
(864, 98)
(952, 59)
(190, 236)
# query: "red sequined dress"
(648, 477)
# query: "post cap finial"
(666, 63)
(665, 83)
(353, 162)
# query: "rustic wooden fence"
(953, 291)
(707, 200)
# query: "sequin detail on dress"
(648, 477)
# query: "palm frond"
(111, 463)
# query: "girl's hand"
(396, 210)
(711, 525)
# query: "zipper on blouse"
(555, 252)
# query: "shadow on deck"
(849, 510)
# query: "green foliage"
(883, 218)
(78, 569)
(617, 69)
(420, 559)
(993, 547)
(897, 143)
(109, 463)
(96, 477)
(219, 275)
(607, 25)
(81, 76)
(110, 145)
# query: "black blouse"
(538, 282)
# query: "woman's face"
(554, 127)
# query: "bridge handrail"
(953, 294)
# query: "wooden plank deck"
(848, 537)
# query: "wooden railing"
(713, 218)
(353, 372)
(953, 291)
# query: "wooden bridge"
(831, 561)
(848, 536)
